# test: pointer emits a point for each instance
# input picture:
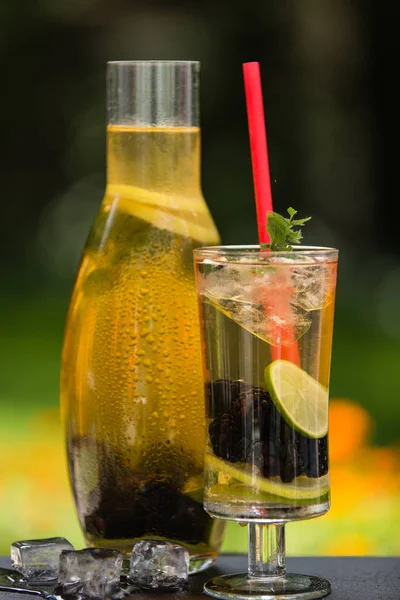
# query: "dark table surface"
(352, 578)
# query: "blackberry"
(159, 498)
(255, 455)
(171, 514)
(221, 394)
(153, 506)
(239, 414)
(119, 514)
(304, 458)
(312, 456)
(190, 522)
(115, 522)
(287, 453)
(318, 457)
(323, 457)
(224, 437)
(247, 427)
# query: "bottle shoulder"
(182, 215)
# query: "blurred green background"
(327, 78)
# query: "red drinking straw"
(258, 146)
(261, 177)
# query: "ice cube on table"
(38, 560)
(92, 573)
(158, 564)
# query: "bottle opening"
(153, 93)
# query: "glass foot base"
(288, 587)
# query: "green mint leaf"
(295, 237)
(300, 222)
(281, 231)
(277, 228)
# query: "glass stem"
(267, 556)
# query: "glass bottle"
(131, 385)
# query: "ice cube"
(314, 286)
(158, 564)
(91, 573)
(274, 320)
(38, 560)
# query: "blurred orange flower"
(350, 429)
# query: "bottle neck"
(159, 159)
(153, 136)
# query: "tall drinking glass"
(267, 415)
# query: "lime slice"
(160, 199)
(191, 219)
(301, 400)
(245, 494)
(303, 488)
(194, 488)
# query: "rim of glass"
(152, 62)
(253, 254)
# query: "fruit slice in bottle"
(303, 488)
(301, 400)
(187, 217)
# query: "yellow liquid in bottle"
(132, 386)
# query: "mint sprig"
(282, 232)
